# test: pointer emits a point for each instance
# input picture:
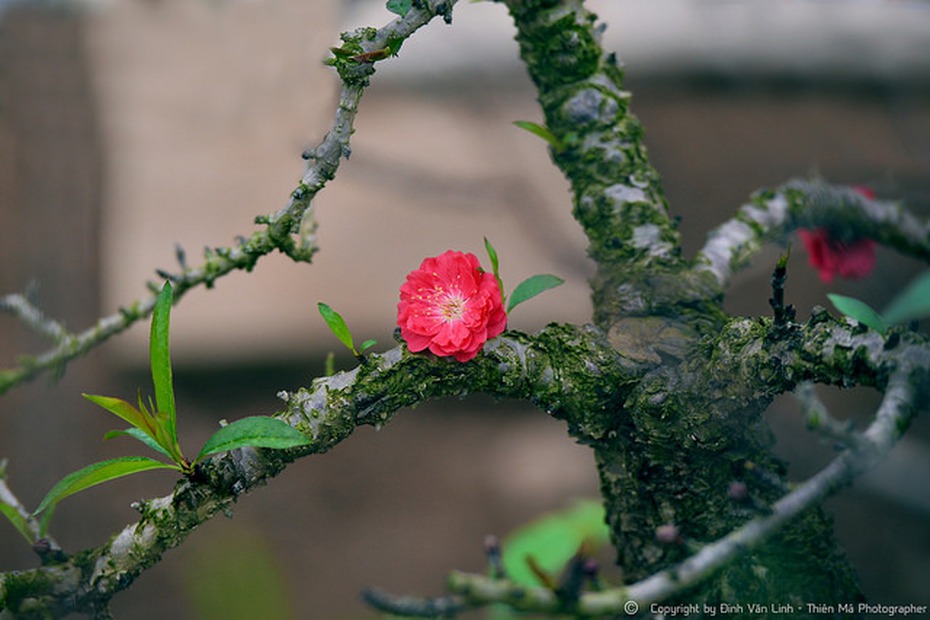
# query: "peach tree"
(664, 386)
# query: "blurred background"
(127, 127)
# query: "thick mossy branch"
(555, 368)
(693, 426)
(772, 215)
(570, 372)
(667, 390)
(618, 198)
(749, 562)
(655, 468)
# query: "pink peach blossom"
(832, 258)
(450, 306)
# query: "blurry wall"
(188, 119)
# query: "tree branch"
(23, 309)
(281, 227)
(773, 215)
(554, 368)
(617, 195)
(894, 414)
(29, 527)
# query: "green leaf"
(492, 254)
(531, 287)
(859, 311)
(399, 7)
(92, 475)
(341, 53)
(161, 360)
(125, 411)
(337, 325)
(142, 436)
(367, 345)
(553, 539)
(166, 439)
(912, 303)
(18, 521)
(542, 132)
(256, 431)
(495, 267)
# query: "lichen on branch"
(666, 388)
(554, 368)
(290, 230)
(772, 215)
(618, 197)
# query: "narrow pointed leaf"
(161, 360)
(255, 431)
(492, 254)
(913, 303)
(337, 325)
(136, 433)
(531, 287)
(366, 345)
(540, 131)
(495, 267)
(95, 474)
(859, 311)
(125, 411)
(165, 438)
(17, 520)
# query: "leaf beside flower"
(859, 311)
(495, 267)
(912, 303)
(338, 326)
(531, 287)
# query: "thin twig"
(296, 218)
(44, 545)
(818, 418)
(32, 317)
(413, 607)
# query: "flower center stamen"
(452, 307)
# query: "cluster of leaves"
(911, 304)
(155, 426)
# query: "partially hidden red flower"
(832, 258)
(864, 190)
(450, 306)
